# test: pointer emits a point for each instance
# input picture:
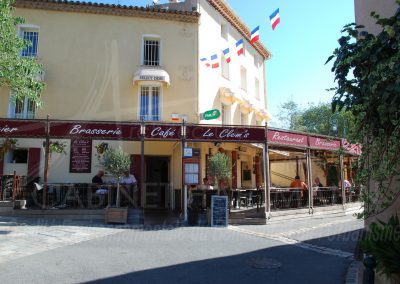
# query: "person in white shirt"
(129, 182)
(206, 185)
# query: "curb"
(354, 272)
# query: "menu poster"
(219, 211)
(80, 156)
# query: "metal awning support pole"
(310, 182)
(266, 171)
(142, 183)
(184, 186)
(46, 161)
(342, 180)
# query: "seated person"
(317, 182)
(297, 183)
(98, 178)
(128, 181)
(206, 185)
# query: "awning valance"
(151, 74)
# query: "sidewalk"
(21, 237)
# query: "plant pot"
(116, 215)
(20, 204)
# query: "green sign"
(211, 114)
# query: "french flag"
(255, 35)
(205, 61)
(239, 47)
(275, 19)
(227, 55)
(214, 61)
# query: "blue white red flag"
(239, 46)
(205, 61)
(255, 35)
(275, 19)
(214, 61)
(227, 55)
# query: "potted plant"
(116, 162)
(220, 169)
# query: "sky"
(300, 45)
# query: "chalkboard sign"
(80, 156)
(219, 211)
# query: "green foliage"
(6, 145)
(289, 114)
(367, 72)
(18, 73)
(219, 167)
(383, 243)
(116, 162)
(57, 147)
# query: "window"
(31, 36)
(192, 173)
(150, 103)
(257, 88)
(224, 31)
(225, 115)
(151, 52)
(257, 60)
(243, 79)
(224, 68)
(24, 108)
(243, 119)
(18, 156)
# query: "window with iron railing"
(31, 36)
(150, 103)
(151, 52)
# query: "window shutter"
(33, 162)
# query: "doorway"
(157, 182)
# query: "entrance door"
(157, 182)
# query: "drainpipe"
(342, 183)
(46, 161)
(142, 183)
(184, 186)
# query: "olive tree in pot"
(116, 162)
(220, 169)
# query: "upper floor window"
(257, 88)
(224, 31)
(225, 114)
(257, 60)
(150, 97)
(243, 119)
(151, 51)
(32, 36)
(224, 67)
(243, 78)
(24, 108)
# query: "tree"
(219, 168)
(320, 119)
(367, 72)
(18, 73)
(288, 117)
(116, 162)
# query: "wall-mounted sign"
(152, 78)
(80, 156)
(323, 143)
(211, 133)
(95, 130)
(211, 114)
(164, 132)
(187, 152)
(286, 138)
(22, 128)
(219, 211)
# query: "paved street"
(316, 250)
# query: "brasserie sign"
(22, 128)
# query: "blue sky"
(300, 45)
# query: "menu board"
(219, 211)
(80, 156)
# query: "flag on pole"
(275, 19)
(214, 61)
(205, 61)
(255, 35)
(239, 47)
(227, 55)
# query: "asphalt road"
(316, 250)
